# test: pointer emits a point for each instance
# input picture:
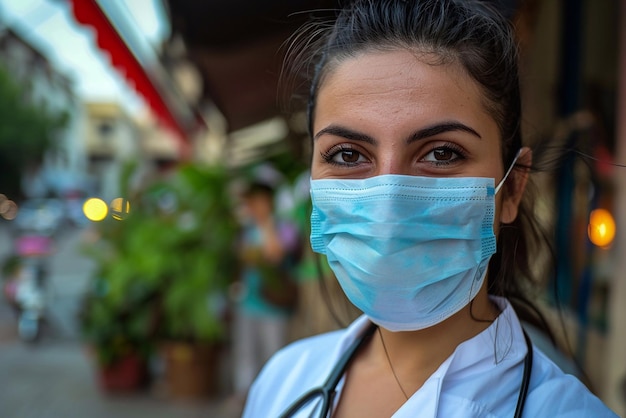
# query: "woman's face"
(392, 113)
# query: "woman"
(417, 167)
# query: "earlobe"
(514, 189)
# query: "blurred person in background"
(265, 293)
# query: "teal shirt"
(252, 301)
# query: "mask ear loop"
(506, 175)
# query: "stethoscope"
(327, 392)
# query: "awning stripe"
(89, 13)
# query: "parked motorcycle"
(25, 271)
(24, 285)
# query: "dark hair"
(257, 188)
(482, 42)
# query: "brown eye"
(349, 156)
(443, 154)
(344, 155)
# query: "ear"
(515, 185)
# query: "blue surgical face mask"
(408, 251)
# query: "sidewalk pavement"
(55, 379)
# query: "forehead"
(399, 82)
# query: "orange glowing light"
(601, 228)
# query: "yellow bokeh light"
(120, 208)
(95, 209)
(601, 228)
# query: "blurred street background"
(138, 140)
(56, 377)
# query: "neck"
(415, 355)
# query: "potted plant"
(197, 262)
(118, 315)
(162, 277)
(119, 335)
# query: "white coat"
(480, 379)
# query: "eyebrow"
(346, 133)
(439, 128)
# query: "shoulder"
(292, 370)
(557, 394)
(304, 351)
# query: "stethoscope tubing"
(528, 366)
(327, 390)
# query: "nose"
(393, 163)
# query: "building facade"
(63, 168)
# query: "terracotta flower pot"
(129, 374)
(191, 370)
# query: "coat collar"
(502, 344)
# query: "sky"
(49, 26)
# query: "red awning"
(88, 12)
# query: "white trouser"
(255, 339)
